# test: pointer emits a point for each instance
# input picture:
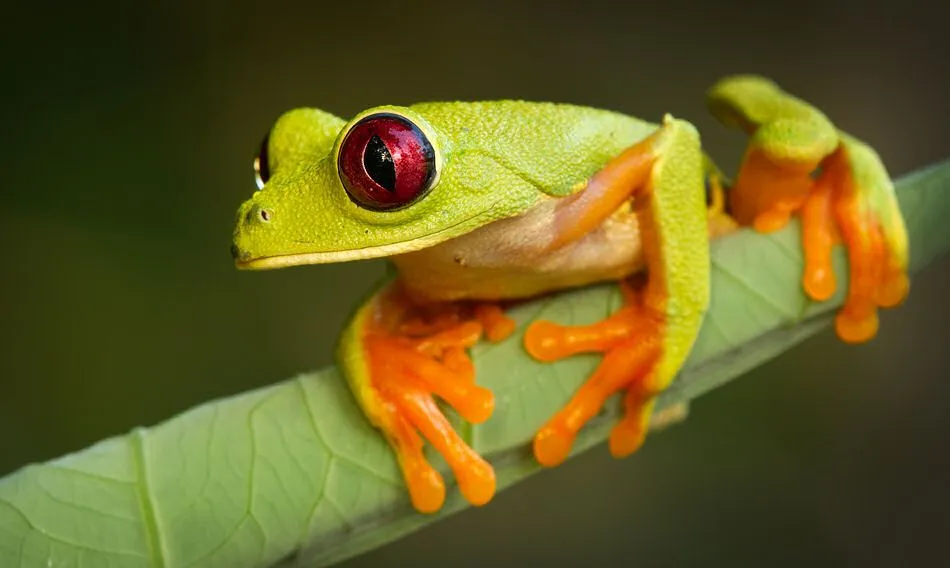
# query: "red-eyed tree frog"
(478, 203)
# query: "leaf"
(292, 475)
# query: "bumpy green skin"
(682, 269)
(495, 160)
(780, 124)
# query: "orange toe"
(425, 484)
(628, 435)
(856, 327)
(819, 236)
(552, 444)
(626, 438)
(498, 326)
(547, 341)
(893, 290)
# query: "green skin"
(501, 161)
(495, 160)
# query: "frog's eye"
(261, 164)
(386, 162)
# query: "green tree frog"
(480, 203)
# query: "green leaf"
(292, 475)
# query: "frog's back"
(555, 145)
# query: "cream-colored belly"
(511, 259)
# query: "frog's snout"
(239, 255)
(253, 222)
(253, 217)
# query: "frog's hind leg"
(646, 341)
(798, 162)
(397, 357)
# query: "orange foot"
(850, 200)
(631, 340)
(409, 356)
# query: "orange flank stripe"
(607, 190)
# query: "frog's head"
(387, 182)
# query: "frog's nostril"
(258, 214)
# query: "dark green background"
(128, 134)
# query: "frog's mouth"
(243, 261)
(246, 260)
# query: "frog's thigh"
(646, 341)
(789, 139)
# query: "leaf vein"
(332, 451)
(150, 521)
(90, 475)
(249, 495)
(753, 291)
(212, 429)
(53, 538)
(77, 506)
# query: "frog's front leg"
(797, 161)
(397, 355)
(647, 340)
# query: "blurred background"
(128, 135)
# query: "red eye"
(386, 162)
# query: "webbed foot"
(398, 358)
(631, 341)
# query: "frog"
(479, 205)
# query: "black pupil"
(379, 163)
